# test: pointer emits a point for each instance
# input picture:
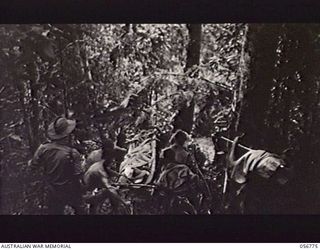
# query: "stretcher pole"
(239, 145)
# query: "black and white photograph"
(160, 119)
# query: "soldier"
(178, 146)
(97, 155)
(99, 175)
(60, 165)
(175, 176)
(176, 184)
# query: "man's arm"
(115, 173)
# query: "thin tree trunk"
(26, 119)
(243, 71)
(65, 87)
(34, 119)
(154, 142)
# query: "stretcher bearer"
(99, 176)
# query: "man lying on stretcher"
(260, 162)
(260, 178)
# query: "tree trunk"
(184, 118)
(263, 41)
(194, 45)
(279, 104)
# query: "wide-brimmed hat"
(60, 128)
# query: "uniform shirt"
(60, 164)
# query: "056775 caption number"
(308, 245)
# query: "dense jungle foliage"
(257, 79)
